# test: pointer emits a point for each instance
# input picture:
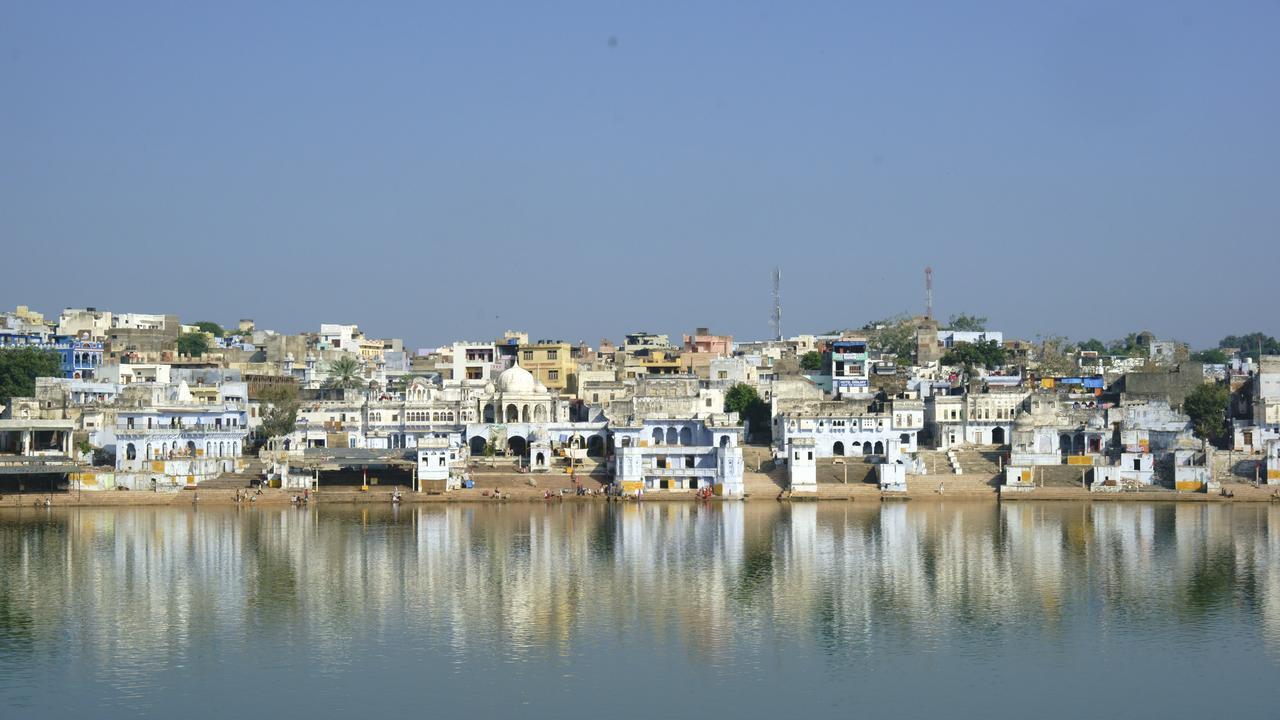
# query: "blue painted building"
(80, 359)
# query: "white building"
(802, 466)
(848, 428)
(679, 455)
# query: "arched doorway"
(724, 441)
(524, 416)
(478, 445)
(517, 446)
(837, 448)
(866, 448)
(513, 413)
(657, 436)
(488, 413)
(997, 436)
(879, 448)
(1064, 444)
(595, 446)
(540, 460)
(686, 436)
(1077, 445)
(672, 437)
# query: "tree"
(212, 328)
(281, 414)
(744, 400)
(1207, 408)
(193, 344)
(811, 361)
(1212, 356)
(897, 337)
(19, 368)
(1248, 344)
(967, 323)
(988, 354)
(1127, 347)
(1094, 345)
(1055, 357)
(345, 373)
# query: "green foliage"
(19, 368)
(1207, 408)
(1094, 344)
(897, 337)
(212, 328)
(280, 415)
(1248, 344)
(744, 400)
(811, 361)
(967, 323)
(193, 344)
(1127, 347)
(988, 354)
(346, 373)
(1213, 356)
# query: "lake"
(758, 609)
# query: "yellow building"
(370, 349)
(551, 363)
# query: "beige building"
(551, 363)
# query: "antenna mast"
(928, 292)
(776, 321)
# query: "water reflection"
(126, 596)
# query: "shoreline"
(382, 496)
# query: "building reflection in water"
(128, 591)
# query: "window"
(528, 356)
(688, 461)
(708, 402)
(553, 374)
(551, 354)
(810, 454)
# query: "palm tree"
(345, 373)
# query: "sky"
(438, 171)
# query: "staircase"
(983, 460)
(936, 462)
(254, 469)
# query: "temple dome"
(515, 379)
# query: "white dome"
(515, 379)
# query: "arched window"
(686, 436)
(837, 448)
(657, 436)
(130, 452)
(879, 448)
(672, 437)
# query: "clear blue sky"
(434, 171)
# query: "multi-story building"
(473, 361)
(844, 428)
(77, 358)
(978, 418)
(850, 368)
(551, 363)
(85, 322)
(679, 455)
(180, 439)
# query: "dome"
(538, 387)
(515, 379)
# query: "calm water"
(758, 610)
